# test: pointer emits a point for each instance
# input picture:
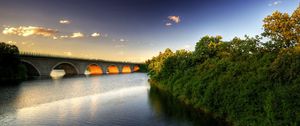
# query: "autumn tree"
(283, 28)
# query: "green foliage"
(245, 80)
(143, 68)
(207, 47)
(10, 65)
(155, 64)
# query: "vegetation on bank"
(143, 68)
(248, 81)
(11, 69)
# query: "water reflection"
(57, 74)
(93, 100)
(8, 96)
(165, 105)
(93, 109)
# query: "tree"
(156, 63)
(178, 62)
(10, 65)
(207, 48)
(246, 80)
(283, 28)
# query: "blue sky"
(130, 30)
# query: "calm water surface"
(108, 100)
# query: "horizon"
(132, 31)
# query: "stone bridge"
(44, 65)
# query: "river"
(108, 100)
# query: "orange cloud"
(176, 19)
(29, 31)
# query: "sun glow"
(126, 69)
(112, 69)
(94, 69)
(136, 68)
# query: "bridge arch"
(69, 68)
(126, 69)
(136, 68)
(94, 69)
(31, 69)
(112, 69)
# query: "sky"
(128, 30)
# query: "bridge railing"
(23, 53)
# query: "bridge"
(43, 65)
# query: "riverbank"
(180, 107)
(187, 103)
(245, 80)
(258, 90)
(255, 113)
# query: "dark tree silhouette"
(11, 69)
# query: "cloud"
(64, 21)
(275, 3)
(121, 43)
(29, 31)
(96, 34)
(63, 36)
(175, 19)
(26, 31)
(12, 42)
(77, 35)
(168, 24)
(122, 40)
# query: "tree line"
(247, 80)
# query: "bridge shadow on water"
(165, 105)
